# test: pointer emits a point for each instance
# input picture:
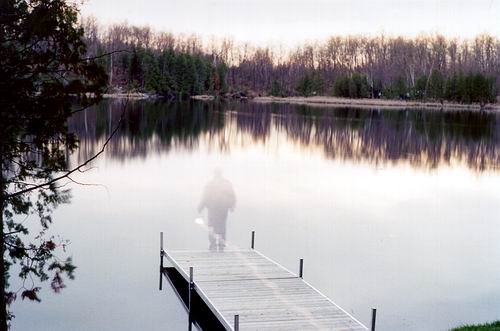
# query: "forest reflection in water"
(423, 139)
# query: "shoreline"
(375, 103)
(134, 95)
(329, 101)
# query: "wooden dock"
(245, 290)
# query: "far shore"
(328, 101)
(375, 103)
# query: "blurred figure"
(218, 197)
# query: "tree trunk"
(111, 72)
(3, 302)
(3, 271)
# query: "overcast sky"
(293, 21)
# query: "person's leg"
(222, 236)
(212, 239)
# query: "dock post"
(301, 268)
(236, 322)
(374, 318)
(161, 260)
(190, 288)
(190, 297)
(253, 239)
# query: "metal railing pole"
(374, 318)
(190, 288)
(190, 296)
(161, 260)
(236, 322)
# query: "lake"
(392, 209)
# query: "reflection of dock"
(244, 290)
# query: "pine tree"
(341, 87)
(435, 89)
(419, 89)
(276, 89)
(152, 78)
(304, 86)
(317, 84)
(136, 72)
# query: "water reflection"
(424, 139)
(218, 198)
(420, 244)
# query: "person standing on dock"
(218, 198)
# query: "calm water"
(397, 210)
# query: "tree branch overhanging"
(68, 173)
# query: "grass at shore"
(375, 103)
(495, 326)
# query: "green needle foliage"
(311, 85)
(353, 86)
(495, 326)
(170, 73)
(44, 77)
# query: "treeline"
(425, 67)
(139, 61)
(169, 73)
(458, 87)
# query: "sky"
(292, 22)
